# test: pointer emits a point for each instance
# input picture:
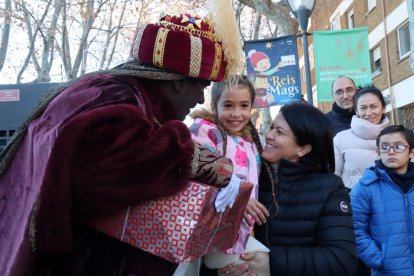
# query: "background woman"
(355, 148)
(310, 228)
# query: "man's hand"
(256, 264)
(210, 168)
(227, 195)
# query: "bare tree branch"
(273, 33)
(256, 29)
(108, 34)
(32, 38)
(88, 16)
(277, 12)
(48, 45)
(65, 54)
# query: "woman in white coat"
(355, 148)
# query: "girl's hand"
(256, 210)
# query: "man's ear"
(178, 85)
(304, 150)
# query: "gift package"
(181, 227)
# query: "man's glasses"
(397, 148)
(348, 91)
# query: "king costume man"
(106, 141)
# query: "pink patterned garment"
(246, 162)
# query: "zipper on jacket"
(409, 224)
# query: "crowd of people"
(331, 192)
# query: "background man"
(343, 91)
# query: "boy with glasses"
(383, 206)
(343, 91)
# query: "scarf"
(404, 181)
(343, 112)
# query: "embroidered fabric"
(209, 167)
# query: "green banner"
(340, 53)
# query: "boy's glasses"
(348, 91)
(397, 148)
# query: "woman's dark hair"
(405, 132)
(219, 87)
(311, 127)
(368, 89)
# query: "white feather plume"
(222, 18)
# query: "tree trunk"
(65, 54)
(88, 18)
(277, 12)
(48, 45)
(6, 32)
(266, 121)
(108, 35)
(32, 38)
(118, 29)
(256, 30)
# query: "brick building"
(389, 44)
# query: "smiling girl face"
(234, 107)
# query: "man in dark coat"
(343, 91)
(106, 141)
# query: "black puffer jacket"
(312, 232)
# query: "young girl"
(229, 131)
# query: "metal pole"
(307, 68)
(394, 110)
(303, 16)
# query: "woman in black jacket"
(310, 228)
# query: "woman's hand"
(257, 210)
(236, 270)
(256, 263)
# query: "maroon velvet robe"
(94, 151)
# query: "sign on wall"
(340, 53)
(272, 66)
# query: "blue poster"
(273, 67)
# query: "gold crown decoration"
(195, 25)
(191, 45)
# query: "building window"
(336, 23)
(351, 24)
(376, 61)
(404, 40)
(371, 4)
